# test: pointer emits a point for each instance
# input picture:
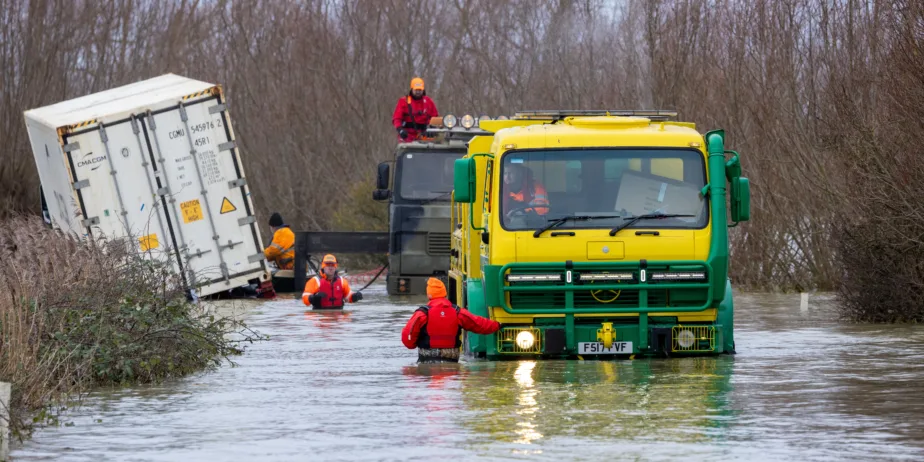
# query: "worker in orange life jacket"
(435, 329)
(328, 290)
(413, 112)
(522, 192)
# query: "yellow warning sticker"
(227, 206)
(192, 211)
(148, 242)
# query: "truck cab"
(596, 234)
(417, 184)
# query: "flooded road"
(340, 386)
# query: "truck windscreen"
(426, 175)
(604, 187)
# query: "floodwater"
(340, 386)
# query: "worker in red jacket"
(413, 112)
(434, 329)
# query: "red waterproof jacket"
(418, 332)
(413, 115)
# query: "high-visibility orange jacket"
(337, 291)
(536, 195)
(282, 250)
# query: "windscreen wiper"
(558, 221)
(442, 195)
(647, 216)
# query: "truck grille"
(547, 292)
(438, 243)
(591, 299)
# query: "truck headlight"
(468, 121)
(679, 276)
(607, 276)
(526, 339)
(685, 338)
(450, 121)
(533, 277)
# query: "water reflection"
(682, 400)
(325, 319)
(327, 323)
(439, 403)
(527, 430)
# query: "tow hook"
(606, 335)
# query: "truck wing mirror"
(740, 199)
(464, 180)
(381, 195)
(381, 179)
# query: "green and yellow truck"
(596, 234)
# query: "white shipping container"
(155, 161)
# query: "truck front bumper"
(605, 340)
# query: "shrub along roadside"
(75, 315)
(879, 238)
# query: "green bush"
(76, 315)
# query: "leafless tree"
(804, 88)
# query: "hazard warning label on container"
(148, 242)
(227, 206)
(192, 211)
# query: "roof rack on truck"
(450, 127)
(651, 114)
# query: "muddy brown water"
(340, 386)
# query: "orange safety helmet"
(417, 83)
(329, 260)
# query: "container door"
(116, 188)
(197, 161)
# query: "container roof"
(118, 100)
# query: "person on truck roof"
(282, 250)
(522, 192)
(413, 112)
(327, 290)
(435, 329)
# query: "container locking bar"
(198, 254)
(144, 166)
(104, 137)
(230, 245)
(218, 108)
(227, 146)
(165, 190)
